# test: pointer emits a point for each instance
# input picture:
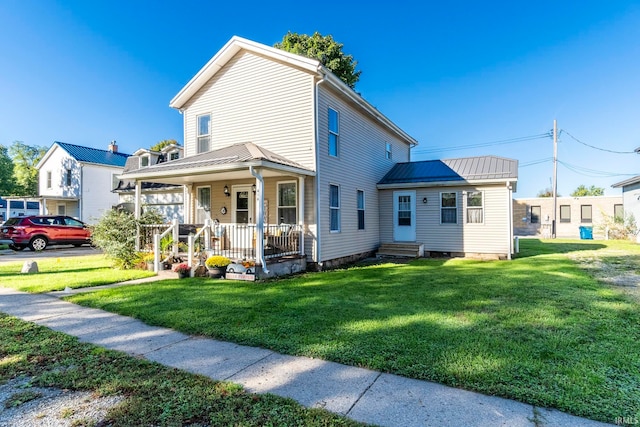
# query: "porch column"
(136, 200)
(301, 212)
(260, 218)
(188, 204)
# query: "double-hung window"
(287, 201)
(360, 196)
(536, 211)
(618, 213)
(448, 208)
(585, 213)
(334, 127)
(387, 151)
(565, 213)
(48, 179)
(475, 207)
(204, 133)
(68, 175)
(334, 208)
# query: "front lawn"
(538, 329)
(58, 273)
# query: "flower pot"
(183, 275)
(217, 272)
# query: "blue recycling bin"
(586, 233)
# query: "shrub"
(182, 268)
(217, 261)
(116, 232)
(619, 228)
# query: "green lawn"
(539, 329)
(154, 395)
(57, 273)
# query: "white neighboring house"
(77, 181)
(166, 199)
(631, 198)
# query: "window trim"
(204, 135)
(539, 214)
(335, 133)
(336, 208)
(467, 207)
(388, 151)
(49, 180)
(295, 206)
(362, 209)
(455, 193)
(582, 218)
(560, 213)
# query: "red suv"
(38, 231)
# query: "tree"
(161, 144)
(6, 172)
(547, 192)
(326, 50)
(582, 190)
(25, 158)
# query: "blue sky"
(451, 74)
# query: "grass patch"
(57, 273)
(20, 398)
(155, 395)
(538, 329)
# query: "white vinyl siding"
(254, 99)
(490, 237)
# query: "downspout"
(510, 221)
(80, 204)
(260, 219)
(317, 168)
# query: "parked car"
(39, 231)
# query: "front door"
(243, 213)
(203, 204)
(404, 216)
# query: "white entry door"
(243, 213)
(203, 204)
(404, 216)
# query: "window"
(565, 213)
(404, 211)
(115, 182)
(536, 211)
(334, 208)
(48, 179)
(144, 161)
(448, 208)
(618, 213)
(33, 205)
(360, 196)
(475, 214)
(68, 175)
(333, 132)
(204, 133)
(73, 222)
(287, 202)
(388, 151)
(585, 213)
(174, 155)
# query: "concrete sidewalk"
(360, 394)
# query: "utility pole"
(555, 178)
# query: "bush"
(619, 228)
(217, 261)
(116, 232)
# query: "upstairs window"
(448, 208)
(48, 179)
(360, 196)
(144, 161)
(175, 155)
(334, 208)
(68, 177)
(585, 213)
(475, 207)
(387, 153)
(334, 128)
(204, 133)
(536, 211)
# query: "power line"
(597, 148)
(485, 144)
(592, 172)
(535, 162)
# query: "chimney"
(113, 148)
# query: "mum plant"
(217, 261)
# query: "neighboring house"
(456, 206)
(165, 199)
(533, 216)
(18, 206)
(277, 147)
(77, 181)
(631, 197)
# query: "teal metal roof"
(94, 155)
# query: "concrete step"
(407, 250)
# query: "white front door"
(404, 216)
(243, 213)
(203, 204)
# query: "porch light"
(226, 191)
(253, 188)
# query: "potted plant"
(183, 270)
(217, 265)
(148, 258)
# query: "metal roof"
(484, 168)
(630, 181)
(94, 155)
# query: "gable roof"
(630, 181)
(88, 155)
(452, 171)
(313, 66)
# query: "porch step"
(404, 250)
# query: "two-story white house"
(288, 160)
(77, 181)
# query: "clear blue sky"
(451, 74)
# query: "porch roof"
(233, 160)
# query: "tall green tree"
(25, 158)
(161, 144)
(326, 50)
(6, 172)
(583, 190)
